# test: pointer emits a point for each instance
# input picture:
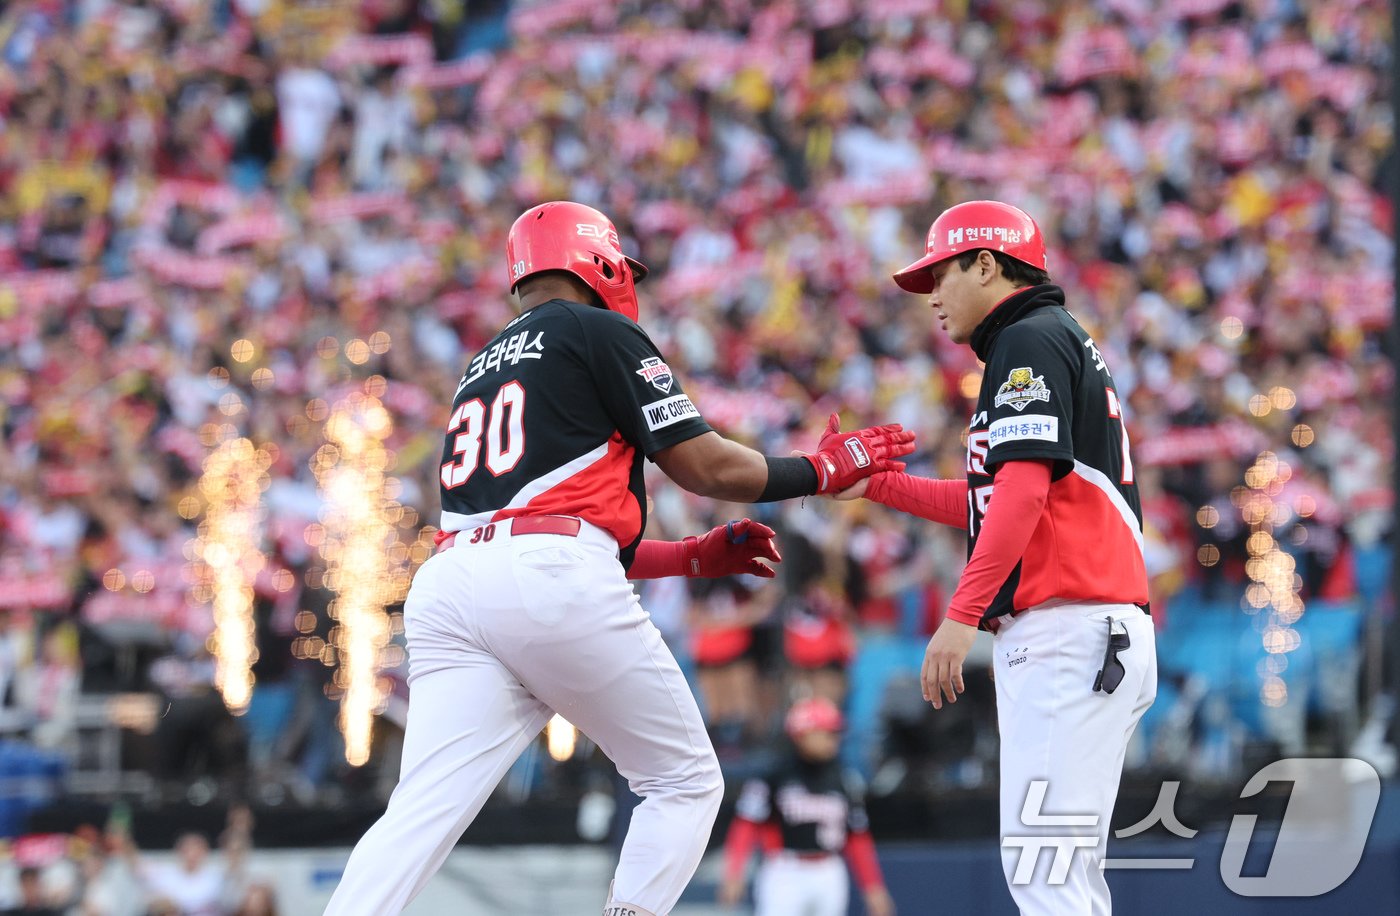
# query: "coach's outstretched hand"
(732, 549)
(842, 459)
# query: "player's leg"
(590, 652)
(830, 887)
(1062, 747)
(779, 888)
(469, 718)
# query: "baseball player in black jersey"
(526, 609)
(805, 813)
(1055, 567)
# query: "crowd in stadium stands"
(100, 872)
(223, 217)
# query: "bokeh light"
(561, 738)
(1273, 592)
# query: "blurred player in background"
(805, 814)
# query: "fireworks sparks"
(366, 566)
(228, 555)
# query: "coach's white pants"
(501, 634)
(1055, 729)
(790, 886)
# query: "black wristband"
(788, 478)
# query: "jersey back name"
(554, 416)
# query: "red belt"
(565, 525)
(813, 856)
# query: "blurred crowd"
(100, 872)
(218, 218)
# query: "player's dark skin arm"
(707, 465)
(711, 465)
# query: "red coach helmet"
(972, 225)
(813, 714)
(562, 235)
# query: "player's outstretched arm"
(730, 549)
(935, 499)
(710, 465)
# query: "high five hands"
(844, 459)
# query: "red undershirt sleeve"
(860, 855)
(738, 846)
(657, 560)
(1022, 488)
(942, 501)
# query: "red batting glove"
(843, 459)
(730, 550)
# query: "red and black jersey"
(1047, 394)
(553, 416)
(814, 807)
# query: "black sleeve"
(1032, 376)
(638, 390)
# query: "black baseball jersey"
(553, 416)
(1047, 393)
(815, 806)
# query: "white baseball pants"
(1060, 737)
(501, 634)
(787, 885)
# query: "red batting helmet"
(562, 235)
(970, 226)
(812, 714)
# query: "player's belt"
(994, 623)
(565, 525)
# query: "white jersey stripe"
(455, 521)
(1100, 480)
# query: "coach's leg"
(469, 718)
(1139, 694)
(601, 664)
(1062, 747)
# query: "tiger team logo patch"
(658, 373)
(1021, 388)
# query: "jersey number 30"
(504, 426)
